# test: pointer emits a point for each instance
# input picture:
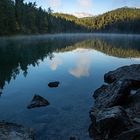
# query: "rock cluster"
(12, 131)
(116, 112)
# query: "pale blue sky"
(94, 7)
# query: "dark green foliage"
(7, 17)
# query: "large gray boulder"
(126, 72)
(12, 131)
(111, 95)
(132, 134)
(110, 122)
(116, 111)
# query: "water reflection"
(17, 54)
(55, 62)
(83, 62)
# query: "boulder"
(111, 121)
(126, 72)
(133, 106)
(38, 101)
(12, 131)
(53, 84)
(100, 90)
(111, 95)
(132, 134)
(116, 111)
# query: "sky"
(94, 7)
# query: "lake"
(77, 61)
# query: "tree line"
(18, 17)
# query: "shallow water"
(79, 62)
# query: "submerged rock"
(53, 84)
(38, 101)
(74, 138)
(12, 131)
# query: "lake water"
(79, 62)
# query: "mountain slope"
(120, 20)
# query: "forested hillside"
(18, 17)
(122, 20)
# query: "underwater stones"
(38, 101)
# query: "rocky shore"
(116, 112)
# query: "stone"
(38, 101)
(112, 121)
(53, 84)
(132, 134)
(133, 106)
(116, 111)
(111, 95)
(102, 89)
(12, 131)
(126, 72)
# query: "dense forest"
(18, 17)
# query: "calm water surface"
(28, 64)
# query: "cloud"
(82, 14)
(54, 3)
(82, 65)
(85, 3)
(55, 63)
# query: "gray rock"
(53, 84)
(12, 131)
(116, 111)
(112, 121)
(132, 134)
(102, 89)
(38, 101)
(133, 106)
(111, 95)
(126, 72)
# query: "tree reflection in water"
(17, 54)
